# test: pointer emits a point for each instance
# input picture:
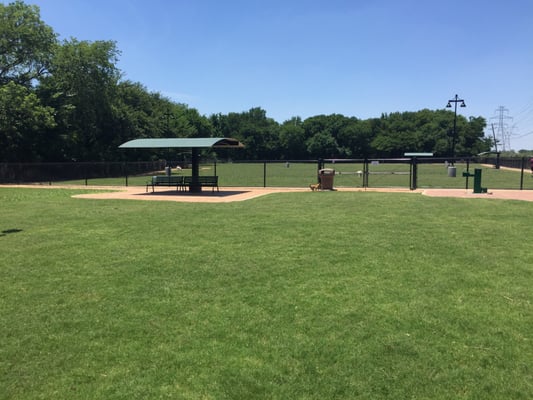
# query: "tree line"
(66, 101)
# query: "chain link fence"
(406, 172)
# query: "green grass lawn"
(330, 295)
(303, 174)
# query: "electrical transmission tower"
(503, 132)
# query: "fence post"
(365, 173)
(413, 175)
(126, 172)
(85, 174)
(522, 173)
(264, 173)
(467, 172)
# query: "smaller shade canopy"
(418, 154)
(181, 143)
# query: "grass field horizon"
(288, 296)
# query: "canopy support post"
(195, 186)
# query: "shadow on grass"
(8, 231)
(206, 193)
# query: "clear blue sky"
(302, 58)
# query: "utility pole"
(168, 116)
(503, 132)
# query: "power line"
(524, 135)
(527, 109)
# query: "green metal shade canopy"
(181, 143)
(185, 143)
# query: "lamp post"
(455, 100)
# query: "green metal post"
(195, 171)
(477, 182)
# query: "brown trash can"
(325, 177)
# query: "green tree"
(26, 43)
(292, 140)
(472, 140)
(322, 145)
(427, 131)
(138, 113)
(254, 129)
(135, 116)
(83, 79)
(178, 120)
(23, 123)
(26, 48)
(321, 133)
(396, 135)
(260, 133)
(354, 138)
(134, 110)
(200, 125)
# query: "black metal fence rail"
(515, 163)
(56, 172)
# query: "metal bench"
(165, 180)
(202, 181)
(183, 182)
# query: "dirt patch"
(240, 194)
(225, 195)
(231, 194)
(524, 195)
